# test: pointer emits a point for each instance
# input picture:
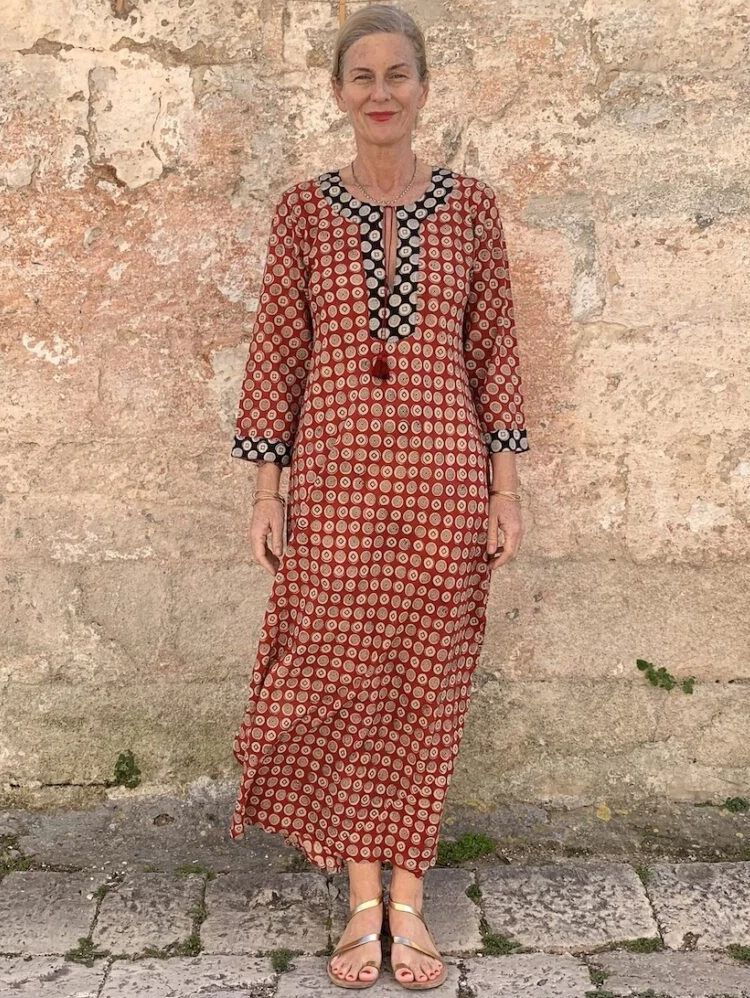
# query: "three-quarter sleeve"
(280, 349)
(489, 335)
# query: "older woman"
(383, 371)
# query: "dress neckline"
(354, 201)
(343, 202)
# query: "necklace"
(380, 369)
(391, 201)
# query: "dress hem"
(328, 864)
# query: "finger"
(492, 541)
(503, 557)
(277, 530)
(512, 542)
(261, 553)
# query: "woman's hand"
(505, 517)
(268, 518)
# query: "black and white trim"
(260, 449)
(500, 440)
(402, 316)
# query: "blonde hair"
(373, 18)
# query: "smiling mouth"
(381, 114)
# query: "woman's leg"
(408, 889)
(364, 883)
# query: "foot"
(349, 966)
(419, 967)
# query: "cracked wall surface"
(144, 144)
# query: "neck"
(385, 169)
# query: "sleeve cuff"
(514, 440)
(260, 449)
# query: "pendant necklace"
(380, 368)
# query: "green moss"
(12, 858)
(642, 945)
(468, 847)
(113, 880)
(85, 952)
(189, 869)
(127, 773)
(660, 677)
(644, 873)
(739, 952)
(281, 958)
(495, 944)
(474, 893)
(198, 913)
(190, 946)
(736, 804)
(576, 851)
(154, 953)
(597, 976)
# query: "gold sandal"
(416, 985)
(372, 937)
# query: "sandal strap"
(372, 903)
(372, 937)
(400, 906)
(408, 942)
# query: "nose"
(380, 90)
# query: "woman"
(383, 371)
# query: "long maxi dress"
(377, 612)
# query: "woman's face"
(380, 89)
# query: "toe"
(351, 974)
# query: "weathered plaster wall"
(143, 146)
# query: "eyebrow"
(366, 69)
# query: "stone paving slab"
(567, 906)
(682, 975)
(701, 905)
(147, 910)
(45, 912)
(307, 978)
(150, 830)
(98, 829)
(188, 977)
(49, 977)
(451, 916)
(528, 975)
(247, 913)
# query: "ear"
(336, 89)
(425, 91)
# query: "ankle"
(407, 893)
(364, 883)
(357, 897)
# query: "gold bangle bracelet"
(515, 496)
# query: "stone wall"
(143, 147)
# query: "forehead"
(379, 50)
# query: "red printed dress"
(376, 617)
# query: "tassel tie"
(380, 370)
